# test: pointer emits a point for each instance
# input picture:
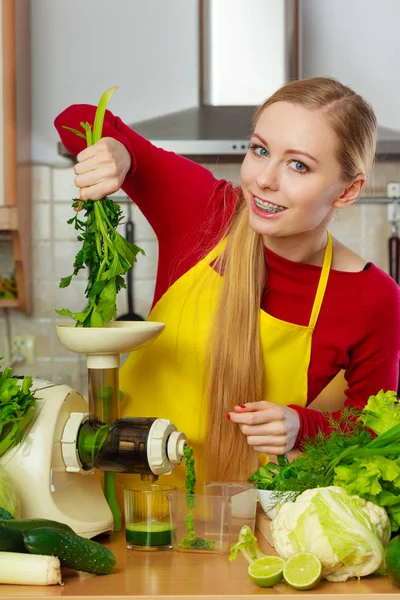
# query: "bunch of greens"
(264, 477)
(191, 541)
(348, 457)
(106, 254)
(373, 471)
(309, 470)
(17, 406)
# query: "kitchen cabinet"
(15, 170)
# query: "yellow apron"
(167, 378)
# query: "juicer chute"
(146, 446)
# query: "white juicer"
(56, 466)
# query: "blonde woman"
(263, 308)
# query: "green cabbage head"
(347, 533)
(9, 497)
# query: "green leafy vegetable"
(104, 251)
(264, 477)
(345, 532)
(309, 469)
(191, 541)
(348, 457)
(375, 468)
(247, 545)
(9, 496)
(375, 478)
(381, 412)
(17, 406)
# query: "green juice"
(155, 533)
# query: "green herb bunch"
(106, 254)
(348, 457)
(17, 406)
(313, 468)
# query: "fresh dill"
(313, 467)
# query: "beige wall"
(364, 228)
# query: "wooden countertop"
(183, 576)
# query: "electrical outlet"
(22, 346)
(393, 189)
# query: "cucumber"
(72, 550)
(4, 514)
(11, 532)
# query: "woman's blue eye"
(299, 166)
(263, 151)
(259, 150)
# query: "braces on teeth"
(267, 206)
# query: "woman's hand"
(269, 427)
(101, 169)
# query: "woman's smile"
(266, 208)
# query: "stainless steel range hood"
(247, 50)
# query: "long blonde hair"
(236, 364)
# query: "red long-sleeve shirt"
(358, 329)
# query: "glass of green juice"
(147, 520)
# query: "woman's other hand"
(269, 427)
(101, 169)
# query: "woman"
(262, 307)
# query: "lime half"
(266, 571)
(303, 571)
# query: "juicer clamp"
(69, 445)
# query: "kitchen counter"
(172, 575)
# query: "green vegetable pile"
(309, 469)
(191, 541)
(53, 538)
(106, 254)
(17, 406)
(348, 457)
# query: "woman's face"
(290, 176)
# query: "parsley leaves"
(17, 406)
(106, 254)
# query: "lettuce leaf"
(375, 478)
(382, 412)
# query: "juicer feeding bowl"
(115, 338)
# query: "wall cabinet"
(15, 144)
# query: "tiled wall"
(364, 228)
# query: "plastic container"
(218, 515)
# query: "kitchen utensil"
(394, 255)
(130, 315)
(394, 241)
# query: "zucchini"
(11, 532)
(74, 551)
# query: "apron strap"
(323, 280)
